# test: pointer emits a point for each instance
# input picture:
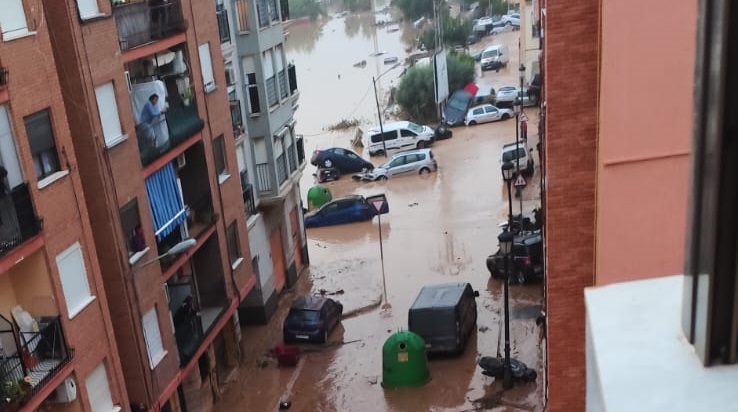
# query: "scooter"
(495, 368)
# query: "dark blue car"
(456, 108)
(311, 319)
(344, 160)
(339, 211)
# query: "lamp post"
(379, 111)
(506, 241)
(518, 111)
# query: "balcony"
(224, 27)
(179, 123)
(18, 221)
(29, 360)
(139, 23)
(292, 75)
(247, 189)
(300, 146)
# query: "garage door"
(275, 244)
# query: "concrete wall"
(645, 129)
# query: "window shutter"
(13, 18)
(98, 390)
(87, 8)
(108, 108)
(268, 64)
(73, 278)
(152, 335)
(206, 65)
(8, 152)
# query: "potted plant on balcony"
(187, 95)
(14, 392)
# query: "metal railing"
(19, 221)
(292, 75)
(283, 86)
(40, 356)
(300, 145)
(292, 158)
(248, 198)
(282, 171)
(224, 26)
(263, 178)
(236, 118)
(242, 15)
(271, 89)
(141, 23)
(166, 132)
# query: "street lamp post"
(518, 112)
(379, 111)
(506, 241)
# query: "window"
(242, 10)
(87, 9)
(262, 11)
(220, 161)
(98, 390)
(73, 277)
(490, 109)
(132, 230)
(407, 133)
(477, 111)
(8, 152)
(251, 87)
(279, 60)
(13, 19)
(352, 156)
(274, 10)
(271, 85)
(41, 139)
(206, 65)
(108, 109)
(233, 250)
(398, 162)
(152, 335)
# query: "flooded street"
(440, 228)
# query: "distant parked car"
(486, 113)
(527, 259)
(344, 160)
(311, 319)
(506, 95)
(403, 164)
(457, 106)
(485, 95)
(500, 27)
(340, 211)
(529, 98)
(512, 19)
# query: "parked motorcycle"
(522, 224)
(495, 368)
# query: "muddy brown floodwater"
(440, 228)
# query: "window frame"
(36, 152)
(18, 30)
(234, 251)
(153, 340)
(108, 110)
(99, 389)
(76, 300)
(219, 154)
(206, 67)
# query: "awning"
(165, 200)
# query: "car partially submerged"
(348, 209)
(456, 108)
(408, 163)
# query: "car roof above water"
(439, 296)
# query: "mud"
(440, 228)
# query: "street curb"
(358, 311)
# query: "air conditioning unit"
(181, 161)
(64, 393)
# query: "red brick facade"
(571, 54)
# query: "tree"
(415, 9)
(416, 94)
(305, 8)
(455, 32)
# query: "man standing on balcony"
(150, 115)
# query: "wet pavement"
(440, 228)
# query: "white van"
(494, 57)
(397, 135)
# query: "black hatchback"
(311, 319)
(527, 259)
(343, 160)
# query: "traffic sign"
(523, 117)
(378, 203)
(520, 181)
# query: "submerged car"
(343, 160)
(311, 319)
(527, 259)
(506, 96)
(456, 108)
(403, 164)
(340, 211)
(486, 113)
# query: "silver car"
(405, 163)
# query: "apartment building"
(57, 344)
(143, 89)
(616, 164)
(262, 90)
(530, 38)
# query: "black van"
(445, 316)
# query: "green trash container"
(404, 361)
(317, 196)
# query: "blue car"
(339, 211)
(311, 319)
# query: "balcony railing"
(140, 23)
(236, 118)
(18, 221)
(300, 145)
(281, 169)
(248, 195)
(4, 76)
(292, 158)
(31, 360)
(242, 14)
(292, 75)
(263, 177)
(159, 137)
(188, 332)
(283, 86)
(224, 27)
(271, 86)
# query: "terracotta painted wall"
(644, 137)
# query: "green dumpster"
(318, 196)
(404, 361)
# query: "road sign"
(523, 117)
(520, 181)
(378, 203)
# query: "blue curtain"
(167, 207)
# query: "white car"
(511, 19)
(486, 113)
(503, 29)
(402, 164)
(506, 95)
